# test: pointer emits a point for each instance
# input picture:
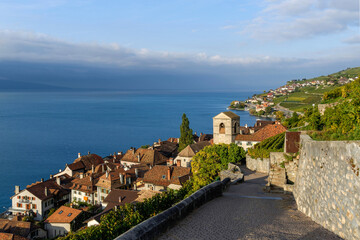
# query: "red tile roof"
(38, 189)
(63, 215)
(158, 175)
(264, 133)
(89, 160)
(147, 156)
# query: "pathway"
(246, 212)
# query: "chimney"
(135, 187)
(46, 191)
(42, 180)
(169, 173)
(120, 153)
(58, 181)
(195, 133)
(129, 181)
(91, 179)
(136, 172)
(201, 134)
(107, 174)
(121, 178)
(102, 168)
(81, 175)
(138, 157)
(79, 155)
(178, 163)
(17, 189)
(120, 199)
(92, 168)
(133, 150)
(159, 141)
(51, 176)
(88, 152)
(171, 161)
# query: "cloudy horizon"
(220, 44)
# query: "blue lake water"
(40, 132)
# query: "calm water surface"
(40, 132)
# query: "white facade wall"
(57, 229)
(246, 144)
(185, 161)
(26, 198)
(77, 195)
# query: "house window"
(19, 205)
(61, 212)
(102, 198)
(34, 206)
(33, 198)
(69, 214)
(52, 201)
(163, 176)
(95, 194)
(249, 143)
(74, 198)
(18, 197)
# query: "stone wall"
(152, 227)
(259, 165)
(327, 186)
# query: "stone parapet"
(152, 227)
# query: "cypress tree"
(186, 133)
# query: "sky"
(215, 44)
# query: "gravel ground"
(246, 212)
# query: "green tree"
(208, 163)
(279, 115)
(186, 133)
(268, 110)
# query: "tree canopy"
(186, 133)
(207, 163)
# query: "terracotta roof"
(158, 175)
(261, 124)
(173, 140)
(194, 148)
(85, 184)
(168, 149)
(6, 236)
(144, 194)
(113, 178)
(205, 137)
(147, 156)
(113, 199)
(38, 189)
(63, 215)
(17, 227)
(89, 160)
(264, 133)
(10, 236)
(76, 166)
(229, 114)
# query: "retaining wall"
(152, 227)
(259, 165)
(327, 186)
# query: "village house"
(248, 141)
(62, 221)
(226, 130)
(81, 165)
(38, 198)
(184, 158)
(20, 230)
(160, 177)
(83, 189)
(120, 178)
(150, 157)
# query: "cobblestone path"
(246, 212)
